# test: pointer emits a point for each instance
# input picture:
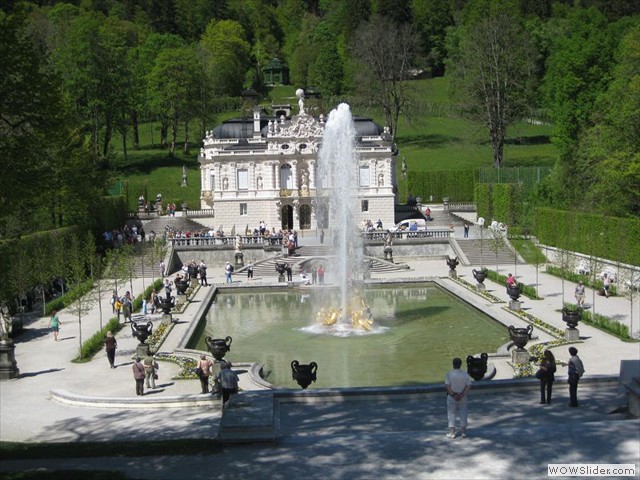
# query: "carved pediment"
(302, 126)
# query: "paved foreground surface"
(511, 436)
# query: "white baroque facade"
(264, 169)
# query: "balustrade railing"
(230, 241)
(381, 235)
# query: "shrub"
(527, 290)
(607, 324)
(578, 277)
(69, 297)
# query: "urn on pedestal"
(142, 332)
(480, 276)
(304, 374)
(520, 337)
(571, 317)
(218, 346)
(453, 263)
(281, 268)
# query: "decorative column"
(312, 174)
(294, 175)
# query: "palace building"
(264, 169)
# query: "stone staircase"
(486, 255)
(317, 254)
(158, 224)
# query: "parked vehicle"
(410, 225)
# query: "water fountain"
(337, 178)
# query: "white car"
(410, 225)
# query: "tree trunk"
(136, 129)
(174, 133)
(107, 136)
(164, 129)
(124, 144)
(186, 137)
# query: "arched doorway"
(305, 217)
(287, 217)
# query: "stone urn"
(452, 263)
(304, 374)
(218, 346)
(520, 336)
(477, 367)
(514, 291)
(141, 331)
(167, 303)
(281, 268)
(181, 286)
(571, 317)
(479, 275)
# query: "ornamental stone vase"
(181, 286)
(571, 317)
(514, 291)
(281, 268)
(218, 346)
(520, 336)
(452, 263)
(304, 374)
(479, 275)
(141, 331)
(477, 367)
(167, 303)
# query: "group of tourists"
(123, 304)
(145, 372)
(128, 234)
(369, 226)
(225, 380)
(458, 383)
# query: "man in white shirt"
(457, 383)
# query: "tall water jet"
(338, 182)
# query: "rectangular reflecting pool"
(418, 330)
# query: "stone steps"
(487, 254)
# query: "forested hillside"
(79, 78)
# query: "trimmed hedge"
(68, 298)
(578, 277)
(527, 290)
(502, 202)
(607, 324)
(590, 234)
(457, 185)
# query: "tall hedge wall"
(457, 185)
(590, 234)
(112, 213)
(499, 201)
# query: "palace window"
(365, 205)
(243, 209)
(286, 177)
(243, 179)
(364, 177)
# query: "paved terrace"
(389, 436)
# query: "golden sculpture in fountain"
(358, 311)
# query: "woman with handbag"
(546, 376)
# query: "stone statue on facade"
(300, 95)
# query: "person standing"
(250, 271)
(457, 383)
(54, 323)
(606, 283)
(110, 346)
(114, 299)
(289, 271)
(228, 271)
(162, 269)
(576, 370)
(546, 376)
(138, 375)
(466, 230)
(228, 380)
(203, 273)
(205, 371)
(579, 293)
(321, 275)
(150, 369)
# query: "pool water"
(418, 330)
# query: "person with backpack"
(228, 271)
(228, 380)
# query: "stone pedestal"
(571, 334)
(239, 260)
(480, 287)
(167, 318)
(520, 356)
(8, 365)
(515, 305)
(142, 350)
(281, 278)
(453, 274)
